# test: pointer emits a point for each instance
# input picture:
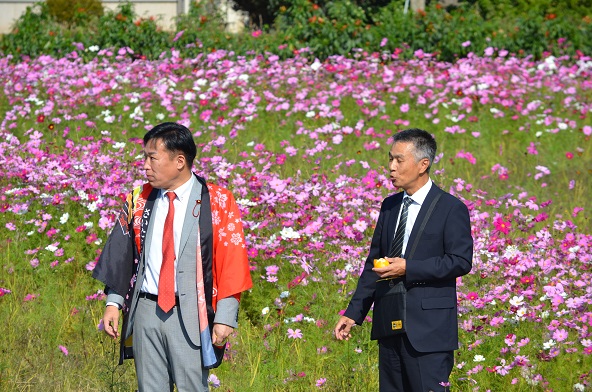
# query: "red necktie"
(166, 281)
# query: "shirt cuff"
(114, 299)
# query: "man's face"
(163, 168)
(405, 172)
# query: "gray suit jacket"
(227, 308)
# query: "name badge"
(396, 324)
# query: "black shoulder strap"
(423, 224)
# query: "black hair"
(176, 138)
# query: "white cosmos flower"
(517, 300)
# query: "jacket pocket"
(438, 303)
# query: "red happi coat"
(223, 250)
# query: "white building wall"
(10, 11)
(167, 10)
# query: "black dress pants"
(403, 369)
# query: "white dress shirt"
(153, 252)
(417, 200)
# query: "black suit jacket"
(444, 252)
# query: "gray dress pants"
(163, 353)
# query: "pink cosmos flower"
(531, 149)
(63, 349)
(205, 115)
(523, 342)
(510, 339)
(272, 269)
(179, 35)
(360, 225)
(30, 297)
(213, 381)
(576, 211)
(560, 335)
(294, 334)
(466, 155)
(503, 369)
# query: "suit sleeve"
(363, 297)
(456, 258)
(227, 312)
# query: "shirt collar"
(420, 196)
(183, 191)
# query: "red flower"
(501, 225)
(527, 279)
(472, 296)
(40, 118)
(297, 280)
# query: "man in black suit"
(421, 358)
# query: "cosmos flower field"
(303, 146)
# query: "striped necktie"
(397, 245)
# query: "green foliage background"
(326, 28)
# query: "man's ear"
(424, 164)
(181, 161)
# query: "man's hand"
(343, 327)
(111, 321)
(395, 269)
(221, 333)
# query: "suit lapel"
(392, 218)
(190, 221)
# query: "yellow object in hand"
(380, 263)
